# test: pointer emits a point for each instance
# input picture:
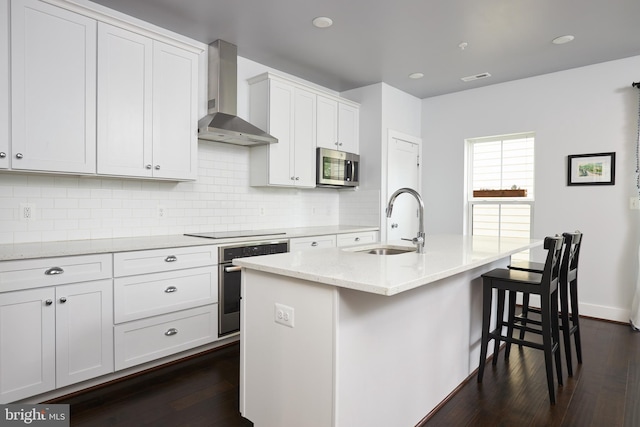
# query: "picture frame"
(591, 169)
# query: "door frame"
(384, 199)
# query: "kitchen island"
(342, 337)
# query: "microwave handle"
(351, 171)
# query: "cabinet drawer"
(35, 273)
(157, 260)
(152, 294)
(313, 242)
(144, 340)
(348, 239)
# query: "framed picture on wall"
(592, 169)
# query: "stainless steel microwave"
(337, 168)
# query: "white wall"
(585, 110)
(71, 208)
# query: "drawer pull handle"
(357, 239)
(171, 258)
(314, 243)
(232, 269)
(171, 289)
(53, 271)
(171, 331)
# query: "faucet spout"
(419, 239)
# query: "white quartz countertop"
(445, 255)
(97, 246)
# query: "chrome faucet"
(419, 239)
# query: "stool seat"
(545, 285)
(532, 266)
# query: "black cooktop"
(231, 234)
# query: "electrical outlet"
(162, 212)
(27, 211)
(261, 210)
(634, 203)
(283, 315)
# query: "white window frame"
(472, 201)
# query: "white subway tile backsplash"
(71, 208)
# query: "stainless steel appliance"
(229, 279)
(337, 168)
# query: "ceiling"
(385, 41)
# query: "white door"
(175, 112)
(53, 88)
(84, 331)
(27, 343)
(124, 102)
(403, 170)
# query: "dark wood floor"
(604, 391)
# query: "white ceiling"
(382, 40)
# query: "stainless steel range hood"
(221, 124)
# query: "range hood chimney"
(221, 124)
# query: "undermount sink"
(381, 249)
(387, 251)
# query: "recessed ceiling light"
(416, 75)
(563, 39)
(322, 22)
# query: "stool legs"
(575, 317)
(486, 322)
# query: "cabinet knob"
(357, 239)
(157, 167)
(48, 302)
(394, 225)
(53, 271)
(171, 289)
(63, 300)
(148, 166)
(297, 178)
(171, 258)
(3, 154)
(293, 178)
(314, 243)
(19, 155)
(340, 144)
(171, 331)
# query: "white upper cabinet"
(53, 89)
(4, 84)
(124, 102)
(175, 112)
(338, 124)
(348, 128)
(147, 107)
(302, 118)
(288, 113)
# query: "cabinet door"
(281, 101)
(53, 71)
(4, 84)
(304, 131)
(27, 343)
(348, 128)
(327, 123)
(84, 331)
(175, 112)
(124, 102)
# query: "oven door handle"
(232, 269)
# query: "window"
(501, 186)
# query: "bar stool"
(569, 322)
(545, 285)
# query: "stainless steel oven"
(229, 279)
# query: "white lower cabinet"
(52, 337)
(312, 242)
(165, 302)
(155, 337)
(350, 239)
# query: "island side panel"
(400, 356)
(287, 374)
